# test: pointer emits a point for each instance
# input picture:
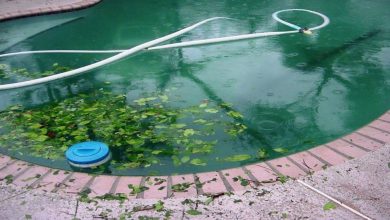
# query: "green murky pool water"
(198, 108)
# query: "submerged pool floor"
(198, 108)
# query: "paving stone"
(180, 179)
(328, 155)
(307, 160)
(286, 167)
(346, 148)
(362, 141)
(211, 182)
(158, 187)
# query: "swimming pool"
(206, 107)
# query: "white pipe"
(220, 40)
(105, 61)
(334, 200)
(166, 46)
(151, 46)
(324, 18)
(60, 51)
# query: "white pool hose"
(335, 200)
(151, 46)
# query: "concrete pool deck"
(360, 179)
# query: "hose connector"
(305, 30)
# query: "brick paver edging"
(358, 143)
(48, 10)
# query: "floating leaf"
(280, 150)
(235, 114)
(185, 159)
(200, 121)
(84, 122)
(90, 109)
(36, 126)
(226, 105)
(42, 138)
(198, 162)
(189, 132)
(164, 98)
(262, 153)
(237, 158)
(141, 101)
(155, 152)
(160, 126)
(203, 105)
(211, 110)
(150, 99)
(176, 161)
(178, 125)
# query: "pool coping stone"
(354, 145)
(49, 9)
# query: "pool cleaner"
(88, 154)
(151, 45)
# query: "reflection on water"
(294, 91)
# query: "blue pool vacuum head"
(88, 154)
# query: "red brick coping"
(48, 9)
(366, 139)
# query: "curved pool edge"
(354, 145)
(47, 9)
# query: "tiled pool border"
(366, 139)
(50, 9)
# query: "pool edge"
(50, 9)
(369, 138)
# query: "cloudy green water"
(294, 91)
